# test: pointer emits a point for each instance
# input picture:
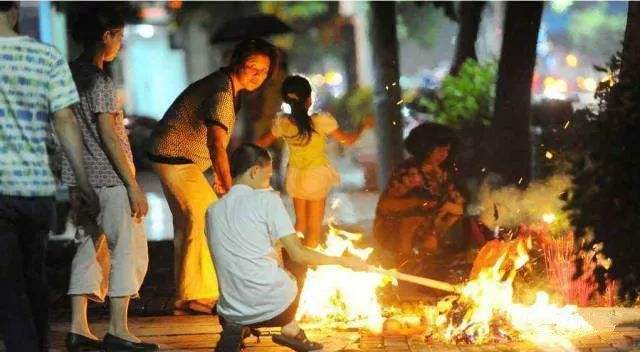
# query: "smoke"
(542, 201)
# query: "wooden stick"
(423, 281)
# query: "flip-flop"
(299, 343)
(200, 308)
(193, 308)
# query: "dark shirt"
(180, 137)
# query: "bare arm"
(346, 138)
(113, 149)
(398, 204)
(266, 139)
(349, 138)
(304, 255)
(216, 142)
(68, 132)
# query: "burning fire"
(485, 312)
(481, 311)
(339, 297)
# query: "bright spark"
(549, 218)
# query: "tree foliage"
(317, 26)
(466, 98)
(290, 11)
(592, 28)
(353, 107)
(605, 201)
(420, 23)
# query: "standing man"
(191, 138)
(35, 82)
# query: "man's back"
(242, 230)
(34, 82)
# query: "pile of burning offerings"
(479, 311)
(336, 297)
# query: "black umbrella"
(248, 27)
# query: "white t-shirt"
(242, 230)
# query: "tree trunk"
(469, 22)
(631, 45)
(384, 42)
(512, 147)
(350, 59)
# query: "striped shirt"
(181, 135)
(35, 81)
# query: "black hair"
(96, 19)
(246, 156)
(295, 92)
(249, 47)
(426, 137)
(7, 5)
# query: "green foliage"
(605, 201)
(353, 107)
(560, 6)
(466, 98)
(419, 23)
(318, 37)
(594, 31)
(294, 10)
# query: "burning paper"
(481, 311)
(335, 296)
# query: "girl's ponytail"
(296, 90)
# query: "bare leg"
(406, 233)
(297, 269)
(291, 329)
(315, 214)
(300, 206)
(118, 321)
(79, 323)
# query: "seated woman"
(420, 203)
(243, 229)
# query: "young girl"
(310, 175)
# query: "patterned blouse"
(180, 137)
(428, 188)
(97, 95)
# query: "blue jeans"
(24, 313)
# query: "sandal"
(299, 343)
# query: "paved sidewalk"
(200, 333)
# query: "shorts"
(313, 183)
(111, 259)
